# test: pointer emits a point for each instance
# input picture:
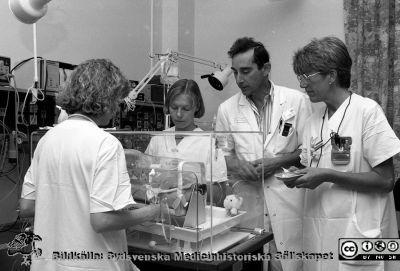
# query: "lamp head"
(28, 11)
(219, 79)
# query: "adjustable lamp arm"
(173, 56)
(130, 99)
(198, 60)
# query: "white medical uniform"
(284, 205)
(332, 211)
(77, 169)
(192, 148)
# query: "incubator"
(210, 208)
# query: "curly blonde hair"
(94, 87)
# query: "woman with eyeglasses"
(348, 147)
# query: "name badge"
(341, 147)
(285, 128)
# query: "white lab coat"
(192, 148)
(333, 212)
(285, 206)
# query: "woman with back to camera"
(77, 186)
(348, 147)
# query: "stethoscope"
(333, 134)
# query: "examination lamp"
(219, 79)
(28, 11)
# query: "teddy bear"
(232, 204)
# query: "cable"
(12, 226)
(18, 164)
(21, 164)
(3, 153)
(17, 102)
(22, 109)
(33, 85)
(4, 118)
(22, 63)
(5, 110)
(11, 180)
(344, 114)
(2, 174)
(322, 126)
(39, 90)
(4, 146)
(7, 130)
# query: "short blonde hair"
(189, 87)
(94, 87)
(324, 55)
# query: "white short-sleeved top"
(332, 211)
(77, 169)
(192, 148)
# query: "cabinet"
(16, 109)
(145, 117)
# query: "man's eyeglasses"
(303, 78)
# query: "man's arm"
(241, 168)
(273, 164)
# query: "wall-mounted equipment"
(51, 74)
(152, 94)
(4, 70)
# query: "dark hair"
(324, 55)
(189, 87)
(94, 86)
(242, 45)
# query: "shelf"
(52, 93)
(20, 90)
(148, 104)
